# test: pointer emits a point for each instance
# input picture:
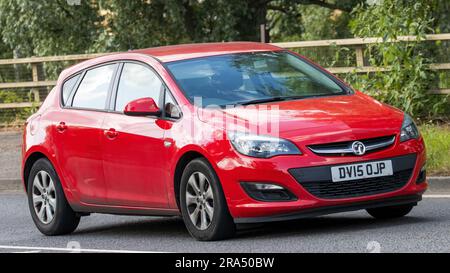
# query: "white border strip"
(436, 195)
(438, 177)
(74, 250)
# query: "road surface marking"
(436, 195)
(74, 250)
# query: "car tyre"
(203, 205)
(390, 212)
(48, 205)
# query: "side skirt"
(121, 210)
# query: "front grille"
(317, 180)
(345, 148)
(359, 187)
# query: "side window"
(93, 89)
(137, 81)
(67, 87)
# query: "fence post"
(359, 56)
(35, 75)
(262, 31)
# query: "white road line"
(436, 195)
(74, 249)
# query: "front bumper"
(318, 181)
(393, 201)
(233, 171)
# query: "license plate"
(361, 170)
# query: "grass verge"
(437, 141)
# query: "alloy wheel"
(44, 197)
(200, 200)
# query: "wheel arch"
(29, 162)
(180, 166)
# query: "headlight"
(261, 146)
(409, 129)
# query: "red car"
(220, 134)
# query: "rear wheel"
(48, 206)
(203, 206)
(390, 212)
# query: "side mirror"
(142, 107)
(172, 111)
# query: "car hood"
(316, 120)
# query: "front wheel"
(49, 208)
(390, 212)
(203, 206)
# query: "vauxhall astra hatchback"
(219, 134)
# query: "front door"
(133, 147)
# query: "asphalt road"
(426, 229)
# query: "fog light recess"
(422, 175)
(267, 192)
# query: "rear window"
(93, 89)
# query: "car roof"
(175, 53)
(189, 51)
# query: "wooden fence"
(356, 44)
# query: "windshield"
(248, 78)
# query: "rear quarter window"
(67, 88)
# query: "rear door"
(134, 160)
(79, 132)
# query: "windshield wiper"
(272, 99)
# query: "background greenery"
(437, 141)
(60, 27)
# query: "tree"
(48, 27)
(140, 24)
(409, 79)
(56, 27)
(137, 24)
(308, 22)
(292, 14)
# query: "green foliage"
(437, 142)
(15, 117)
(43, 28)
(308, 23)
(12, 116)
(441, 13)
(141, 24)
(10, 96)
(5, 53)
(409, 78)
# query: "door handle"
(61, 127)
(111, 133)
